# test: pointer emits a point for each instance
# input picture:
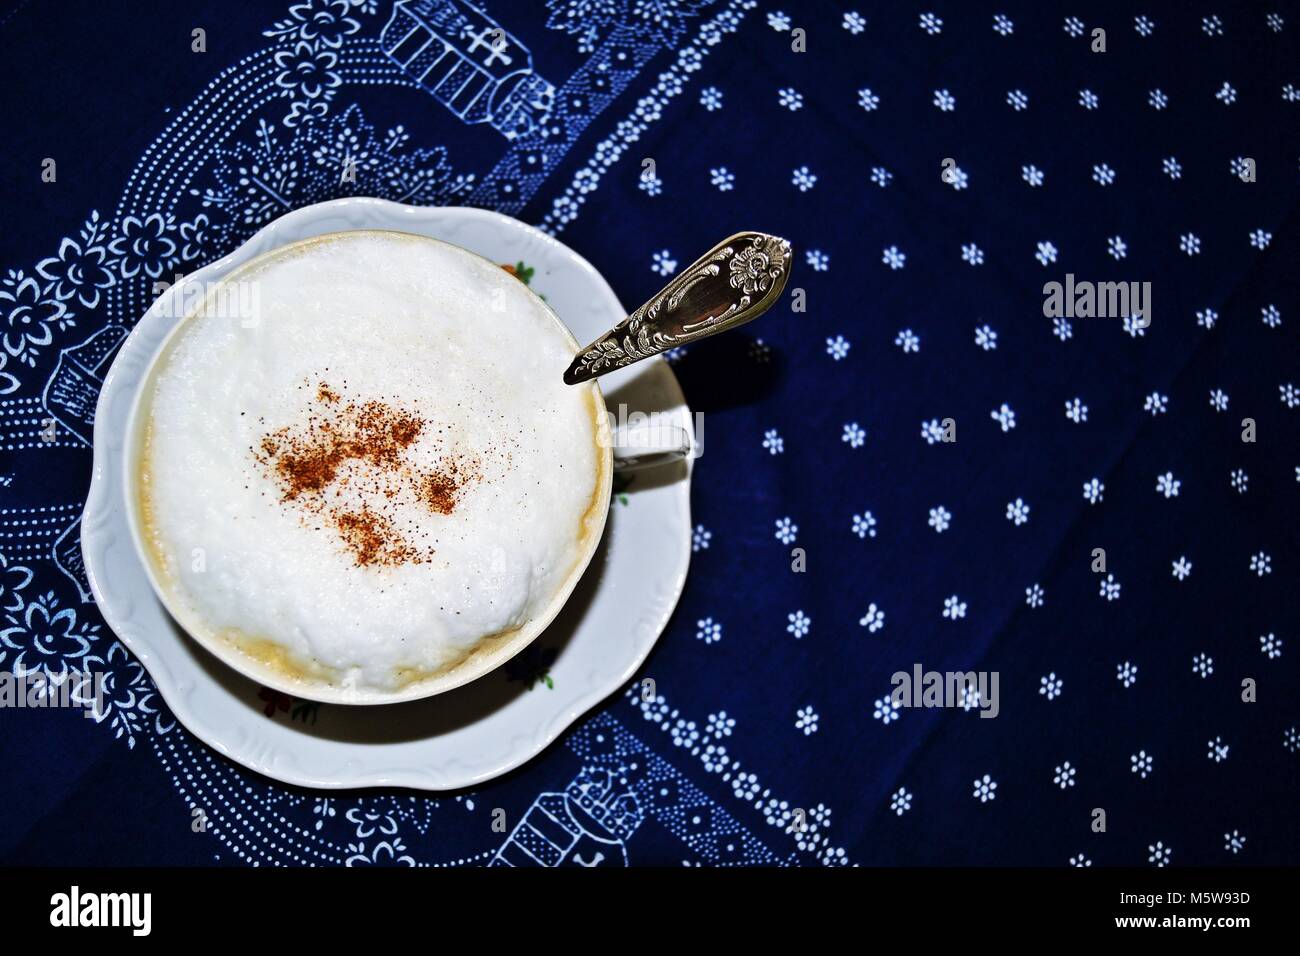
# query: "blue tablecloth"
(1162, 690)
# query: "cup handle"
(649, 445)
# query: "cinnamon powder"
(350, 451)
(371, 538)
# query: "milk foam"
(428, 334)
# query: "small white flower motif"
(700, 538)
(1275, 23)
(1291, 739)
(1135, 326)
(664, 263)
(1017, 512)
(685, 733)
(1239, 167)
(1143, 26)
(1034, 596)
(1159, 854)
(1290, 93)
(1234, 841)
(854, 22)
(1270, 645)
(1062, 329)
(1017, 100)
(799, 625)
(972, 254)
(969, 699)
(867, 100)
(1203, 665)
(1168, 485)
(745, 786)
(1259, 239)
(901, 801)
(940, 518)
(714, 758)
(1032, 175)
(1064, 776)
(1261, 563)
(945, 101)
(1088, 99)
(931, 24)
(1103, 175)
(651, 185)
(804, 178)
(873, 620)
(1002, 25)
(773, 441)
(1206, 318)
(711, 98)
(1212, 26)
(1182, 567)
(790, 98)
(776, 813)
(954, 608)
(881, 176)
(1050, 686)
(1126, 673)
(818, 260)
(1076, 411)
(1046, 253)
(1227, 95)
(864, 525)
(1189, 243)
(1218, 400)
(957, 178)
(1110, 588)
(786, 530)
(854, 435)
(986, 338)
(720, 725)
(1218, 750)
(1239, 480)
(893, 258)
(723, 178)
(838, 347)
(1140, 763)
(1005, 416)
(1156, 403)
(1074, 26)
(708, 630)
(1080, 861)
(886, 711)
(1172, 168)
(908, 341)
(806, 720)
(1157, 99)
(1117, 247)
(778, 21)
(932, 431)
(1290, 395)
(985, 789)
(1270, 316)
(1093, 491)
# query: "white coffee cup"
(298, 649)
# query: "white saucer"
(495, 723)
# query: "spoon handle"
(737, 280)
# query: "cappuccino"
(377, 478)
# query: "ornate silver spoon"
(734, 282)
